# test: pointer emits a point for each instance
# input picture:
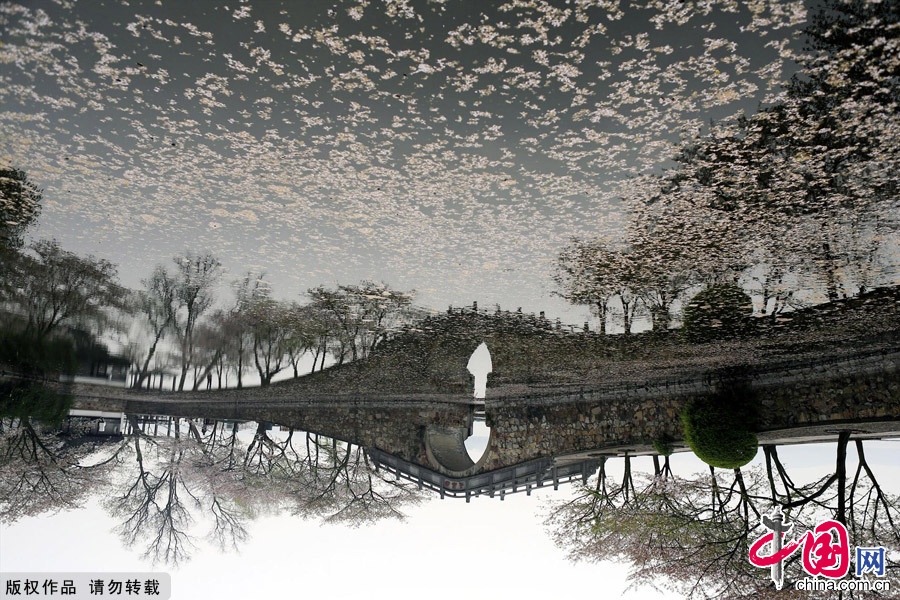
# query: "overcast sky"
(447, 147)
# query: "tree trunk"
(205, 372)
(627, 480)
(841, 470)
(262, 372)
(143, 374)
(660, 316)
(626, 314)
(184, 371)
(315, 360)
(601, 313)
(831, 285)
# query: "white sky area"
(480, 366)
(487, 548)
(477, 443)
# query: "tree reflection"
(687, 531)
(325, 478)
(871, 515)
(163, 485)
(346, 488)
(692, 535)
(150, 503)
(41, 471)
(205, 471)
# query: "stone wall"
(863, 390)
(396, 429)
(550, 425)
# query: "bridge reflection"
(426, 467)
(554, 439)
(497, 483)
(157, 471)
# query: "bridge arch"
(446, 451)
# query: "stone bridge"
(545, 435)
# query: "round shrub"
(718, 430)
(663, 446)
(718, 311)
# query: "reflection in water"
(173, 469)
(169, 481)
(41, 472)
(480, 367)
(477, 442)
(692, 534)
(165, 478)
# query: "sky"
(445, 548)
(450, 148)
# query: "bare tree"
(56, 287)
(269, 323)
(693, 534)
(301, 334)
(359, 317)
(210, 345)
(152, 502)
(40, 472)
(159, 305)
(236, 325)
(582, 277)
(195, 277)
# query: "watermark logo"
(869, 560)
(825, 553)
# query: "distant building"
(94, 422)
(96, 362)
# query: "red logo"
(826, 550)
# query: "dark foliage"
(718, 311)
(719, 428)
(35, 401)
(30, 355)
